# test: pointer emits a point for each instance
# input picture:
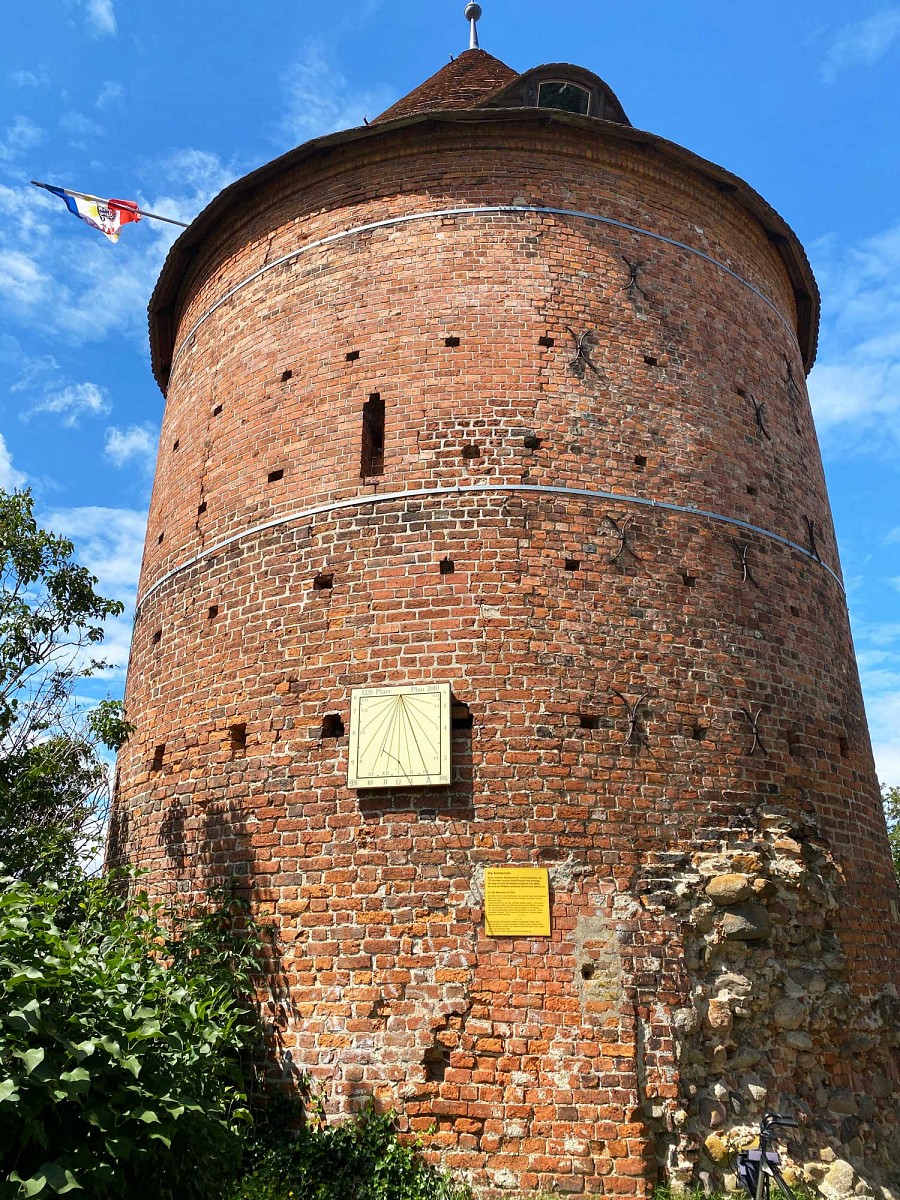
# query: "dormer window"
(567, 97)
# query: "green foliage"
(52, 778)
(891, 798)
(360, 1159)
(121, 1038)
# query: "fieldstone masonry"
(597, 510)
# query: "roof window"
(567, 97)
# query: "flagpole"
(105, 200)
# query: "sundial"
(400, 736)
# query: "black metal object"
(582, 346)
(743, 549)
(759, 412)
(632, 286)
(811, 534)
(622, 534)
(758, 743)
(636, 735)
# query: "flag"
(106, 215)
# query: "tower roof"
(462, 83)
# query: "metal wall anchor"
(758, 743)
(635, 733)
(622, 534)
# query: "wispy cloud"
(862, 43)
(10, 478)
(855, 388)
(21, 135)
(78, 127)
(30, 79)
(21, 279)
(319, 99)
(109, 542)
(136, 443)
(101, 17)
(71, 403)
(109, 93)
(878, 654)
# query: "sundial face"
(400, 736)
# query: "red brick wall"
(568, 1063)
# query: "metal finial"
(473, 16)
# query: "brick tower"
(490, 561)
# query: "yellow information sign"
(517, 902)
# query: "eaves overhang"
(166, 297)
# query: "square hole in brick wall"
(460, 716)
(351, 356)
(531, 442)
(159, 540)
(687, 579)
(447, 566)
(157, 637)
(323, 582)
(176, 443)
(451, 341)
(588, 721)
(332, 726)
(212, 612)
(573, 564)
(237, 736)
(286, 375)
(274, 476)
(201, 508)
(159, 753)
(698, 732)
(546, 342)
(844, 747)
(640, 460)
(471, 451)
(218, 409)
(436, 1062)
(751, 490)
(651, 361)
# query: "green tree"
(52, 776)
(891, 798)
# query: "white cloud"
(319, 99)
(101, 17)
(862, 43)
(21, 279)
(878, 656)
(109, 542)
(20, 136)
(109, 93)
(855, 388)
(72, 403)
(136, 442)
(77, 126)
(29, 79)
(10, 478)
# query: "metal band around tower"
(480, 490)
(491, 210)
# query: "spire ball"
(473, 16)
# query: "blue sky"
(168, 102)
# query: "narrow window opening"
(351, 356)
(844, 745)
(460, 716)
(640, 460)
(157, 637)
(176, 443)
(688, 580)
(238, 737)
(332, 726)
(373, 436)
(217, 410)
(286, 375)
(447, 566)
(471, 451)
(588, 721)
(274, 476)
(212, 612)
(546, 342)
(201, 508)
(323, 583)
(159, 540)
(436, 1062)
(751, 490)
(564, 96)
(451, 341)
(532, 443)
(573, 564)
(651, 361)
(158, 755)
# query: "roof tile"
(462, 83)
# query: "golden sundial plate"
(400, 736)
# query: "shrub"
(120, 1041)
(359, 1159)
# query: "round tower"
(491, 633)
